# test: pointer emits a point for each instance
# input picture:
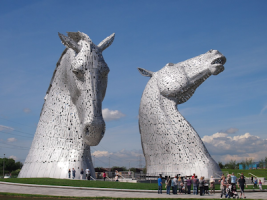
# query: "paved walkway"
(103, 192)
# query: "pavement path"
(103, 192)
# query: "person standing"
(81, 174)
(201, 186)
(223, 186)
(195, 185)
(241, 184)
(251, 179)
(168, 185)
(189, 183)
(180, 185)
(116, 173)
(73, 173)
(255, 183)
(87, 173)
(160, 185)
(69, 173)
(260, 184)
(104, 176)
(212, 185)
(172, 186)
(116, 178)
(228, 179)
(185, 184)
(233, 179)
(175, 184)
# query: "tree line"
(10, 166)
(233, 164)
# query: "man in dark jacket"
(241, 184)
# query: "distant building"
(254, 165)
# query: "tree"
(133, 169)
(114, 168)
(261, 163)
(249, 162)
(231, 164)
(10, 165)
(221, 165)
(144, 170)
(243, 163)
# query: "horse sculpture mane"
(170, 144)
(71, 118)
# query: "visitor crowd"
(183, 185)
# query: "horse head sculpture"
(170, 144)
(71, 118)
(88, 82)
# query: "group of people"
(231, 181)
(73, 172)
(183, 185)
(227, 185)
(255, 182)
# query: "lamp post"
(4, 166)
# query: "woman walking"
(104, 176)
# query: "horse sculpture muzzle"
(94, 131)
(217, 64)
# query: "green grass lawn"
(256, 172)
(96, 184)
(83, 183)
(12, 196)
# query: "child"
(117, 178)
(255, 183)
(260, 184)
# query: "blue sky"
(149, 34)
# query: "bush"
(15, 173)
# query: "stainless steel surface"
(71, 118)
(170, 144)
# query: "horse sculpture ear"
(145, 72)
(69, 43)
(106, 42)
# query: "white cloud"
(6, 128)
(101, 154)
(224, 147)
(110, 115)
(11, 139)
(26, 110)
(14, 157)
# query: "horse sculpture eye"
(79, 74)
